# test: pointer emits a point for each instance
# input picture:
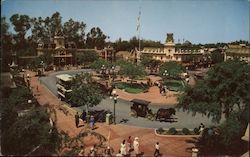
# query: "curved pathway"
(184, 119)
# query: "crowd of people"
(131, 147)
(128, 148)
(91, 120)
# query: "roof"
(139, 101)
(239, 50)
(64, 77)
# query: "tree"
(45, 29)
(27, 132)
(173, 69)
(87, 57)
(150, 63)
(217, 56)
(26, 127)
(84, 92)
(55, 23)
(225, 91)
(132, 71)
(122, 45)
(96, 38)
(74, 31)
(98, 64)
(6, 44)
(21, 25)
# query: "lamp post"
(42, 64)
(165, 73)
(113, 72)
(114, 97)
(103, 70)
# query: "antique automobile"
(140, 108)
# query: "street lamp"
(165, 73)
(113, 72)
(114, 97)
(103, 69)
(42, 64)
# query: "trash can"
(108, 119)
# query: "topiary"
(160, 130)
(172, 131)
(185, 131)
(196, 131)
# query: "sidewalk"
(170, 146)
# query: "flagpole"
(139, 36)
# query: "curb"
(175, 135)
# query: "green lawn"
(175, 85)
(131, 88)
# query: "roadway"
(184, 119)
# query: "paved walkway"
(170, 146)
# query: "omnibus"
(63, 84)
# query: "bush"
(196, 131)
(172, 131)
(160, 130)
(185, 131)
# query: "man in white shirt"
(157, 150)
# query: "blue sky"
(199, 21)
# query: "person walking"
(92, 151)
(129, 141)
(201, 128)
(81, 153)
(77, 119)
(123, 148)
(108, 152)
(157, 150)
(92, 122)
(136, 147)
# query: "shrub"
(172, 131)
(160, 130)
(185, 131)
(196, 131)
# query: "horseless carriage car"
(140, 108)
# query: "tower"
(59, 39)
(169, 46)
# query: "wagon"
(140, 108)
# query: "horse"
(165, 113)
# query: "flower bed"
(174, 85)
(132, 88)
(177, 132)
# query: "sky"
(198, 21)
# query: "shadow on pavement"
(123, 121)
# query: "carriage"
(140, 108)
